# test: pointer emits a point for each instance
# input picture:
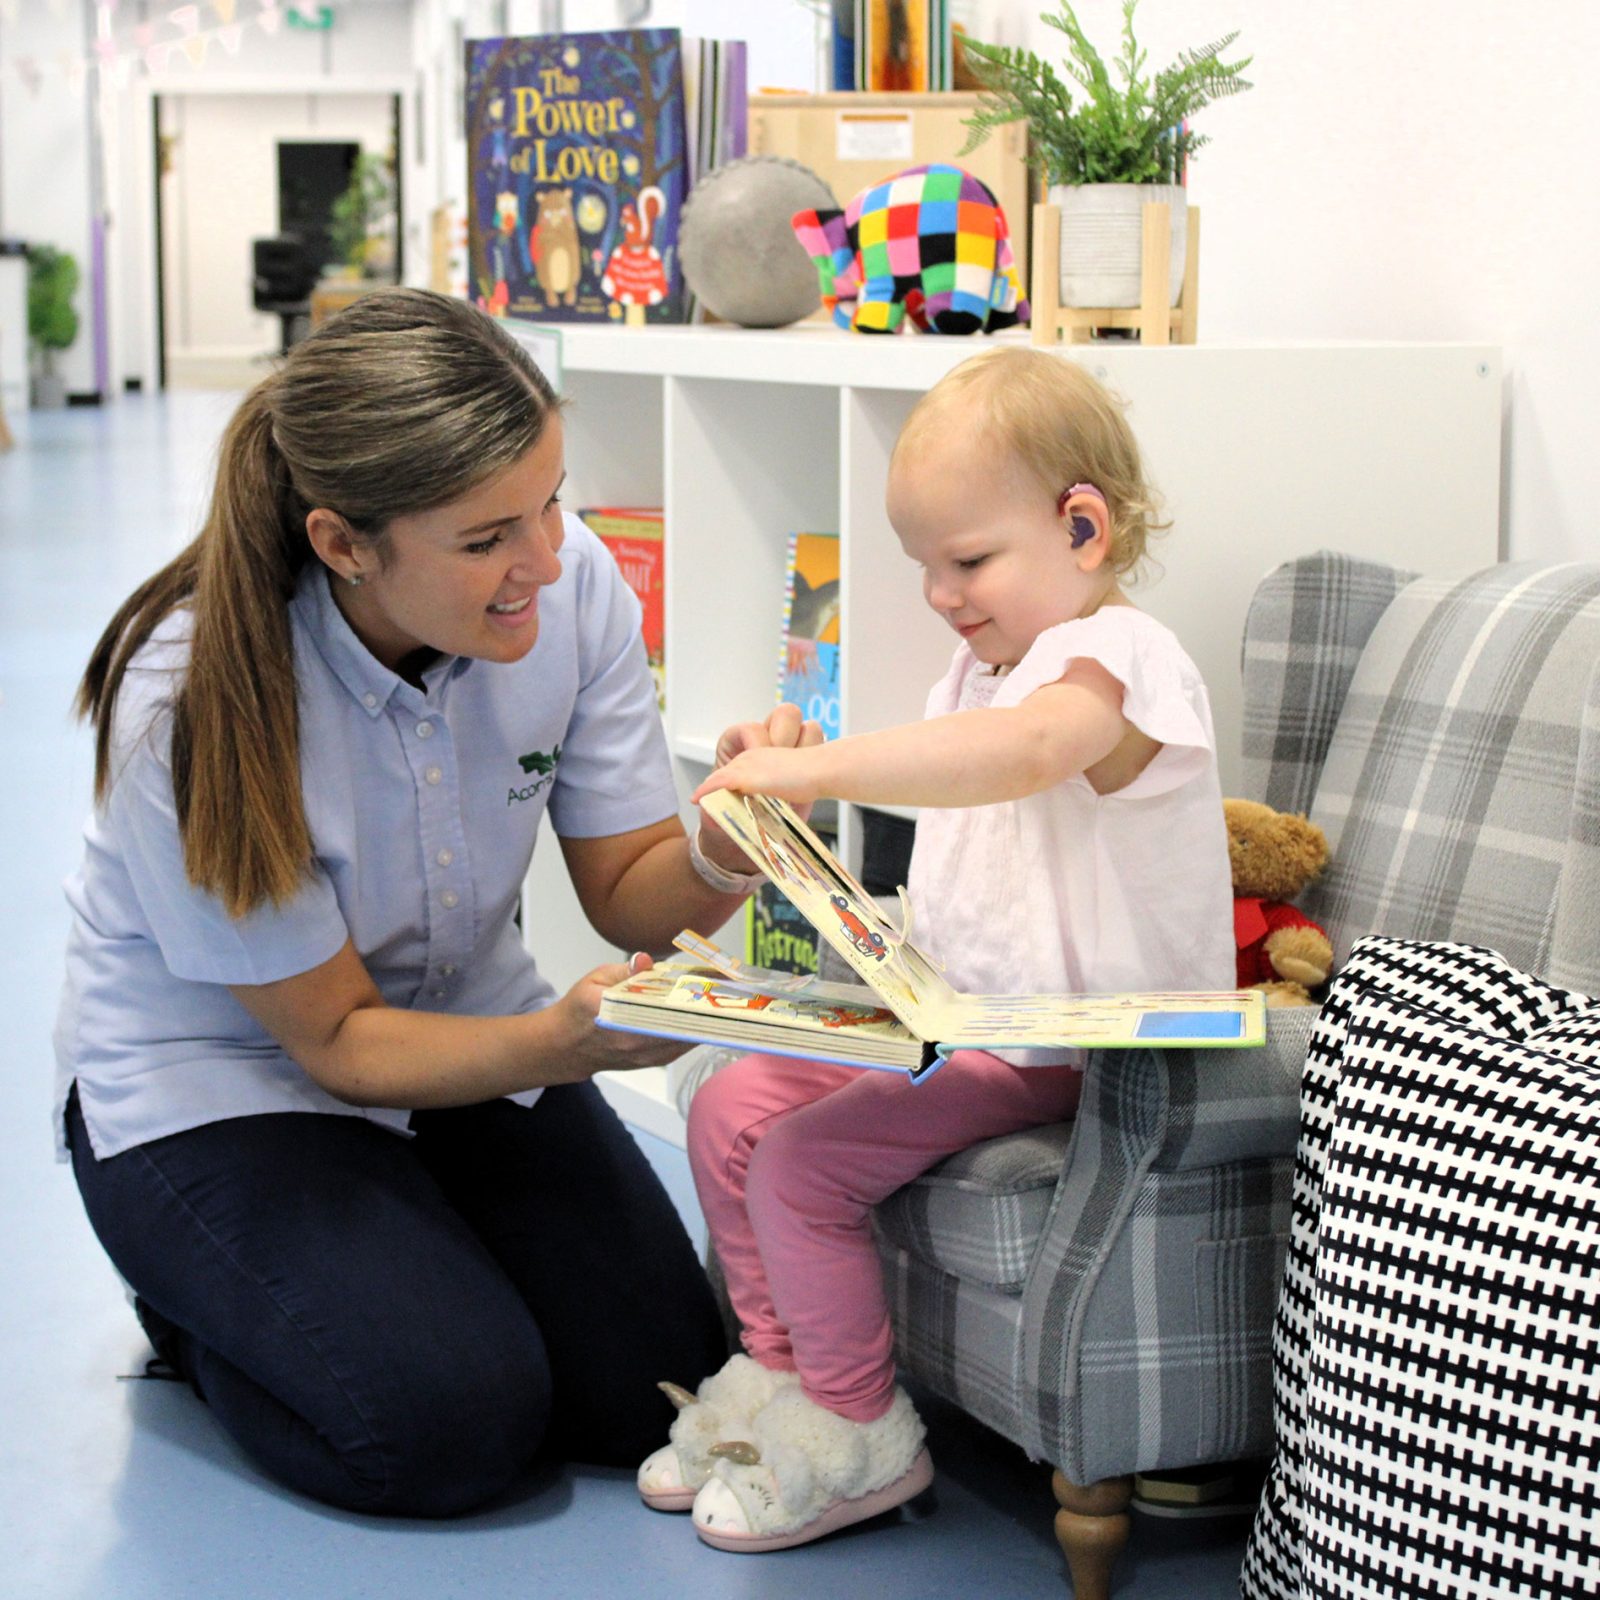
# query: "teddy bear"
(1273, 855)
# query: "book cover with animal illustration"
(577, 158)
(636, 538)
(808, 670)
(933, 1019)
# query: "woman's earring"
(354, 580)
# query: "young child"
(1072, 839)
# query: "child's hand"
(785, 732)
(790, 775)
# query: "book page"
(1192, 1020)
(905, 978)
(824, 1006)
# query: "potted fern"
(361, 223)
(52, 320)
(1122, 142)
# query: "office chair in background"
(284, 275)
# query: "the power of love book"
(903, 1015)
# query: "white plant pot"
(1102, 240)
(49, 391)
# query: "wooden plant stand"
(1156, 321)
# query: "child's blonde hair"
(1058, 425)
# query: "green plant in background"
(1135, 132)
(52, 282)
(363, 208)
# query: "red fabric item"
(1253, 921)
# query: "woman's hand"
(587, 1048)
(784, 732)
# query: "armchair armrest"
(1235, 1105)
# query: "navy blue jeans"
(400, 1325)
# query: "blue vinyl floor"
(123, 1489)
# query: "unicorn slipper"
(669, 1478)
(805, 1472)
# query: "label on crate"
(873, 136)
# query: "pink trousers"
(790, 1156)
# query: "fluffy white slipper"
(804, 1471)
(723, 1407)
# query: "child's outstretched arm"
(968, 758)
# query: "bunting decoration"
(181, 33)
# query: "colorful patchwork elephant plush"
(930, 243)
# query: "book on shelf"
(899, 46)
(716, 83)
(580, 150)
(903, 1015)
(636, 538)
(808, 662)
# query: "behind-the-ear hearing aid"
(1083, 530)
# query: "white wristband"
(723, 881)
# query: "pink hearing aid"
(1082, 527)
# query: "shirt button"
(424, 730)
(448, 970)
(445, 857)
(433, 774)
(369, 701)
(449, 899)
(438, 994)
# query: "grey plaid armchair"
(1102, 1292)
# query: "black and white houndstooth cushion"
(1437, 1348)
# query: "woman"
(327, 1119)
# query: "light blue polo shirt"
(423, 807)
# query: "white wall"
(780, 33)
(1406, 171)
(44, 156)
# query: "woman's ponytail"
(235, 725)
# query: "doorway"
(233, 168)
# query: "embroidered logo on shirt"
(536, 761)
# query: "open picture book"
(903, 1014)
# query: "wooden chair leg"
(1092, 1528)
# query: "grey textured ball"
(738, 251)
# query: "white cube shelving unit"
(1261, 453)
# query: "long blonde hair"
(405, 401)
(1057, 424)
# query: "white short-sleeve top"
(423, 806)
(1073, 891)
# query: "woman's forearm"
(661, 894)
(422, 1060)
